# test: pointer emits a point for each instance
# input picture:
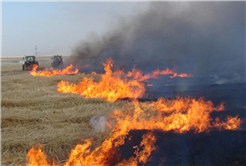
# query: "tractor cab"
(57, 61)
(28, 61)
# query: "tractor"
(29, 61)
(57, 61)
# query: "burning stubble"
(178, 115)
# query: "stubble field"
(32, 112)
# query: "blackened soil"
(214, 148)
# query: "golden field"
(32, 112)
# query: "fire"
(178, 115)
(114, 84)
(51, 72)
(138, 75)
(231, 123)
(181, 75)
(111, 86)
(141, 156)
(36, 157)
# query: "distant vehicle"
(29, 61)
(57, 61)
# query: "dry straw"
(33, 112)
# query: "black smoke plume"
(206, 39)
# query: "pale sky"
(57, 27)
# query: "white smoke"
(99, 122)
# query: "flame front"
(138, 75)
(115, 85)
(111, 86)
(179, 115)
(51, 72)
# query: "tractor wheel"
(23, 67)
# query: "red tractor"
(57, 61)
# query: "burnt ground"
(232, 95)
(213, 148)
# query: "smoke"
(206, 39)
(99, 122)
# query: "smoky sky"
(206, 39)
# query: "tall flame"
(114, 85)
(111, 86)
(51, 72)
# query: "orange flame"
(111, 86)
(179, 115)
(36, 157)
(51, 72)
(141, 156)
(138, 75)
(114, 85)
(232, 123)
(181, 75)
